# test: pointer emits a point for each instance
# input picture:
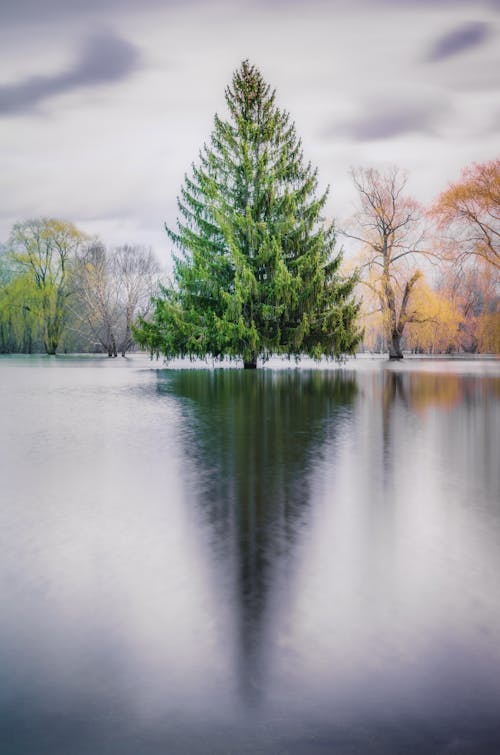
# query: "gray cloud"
(370, 4)
(104, 59)
(28, 12)
(385, 119)
(459, 40)
(445, 3)
(32, 12)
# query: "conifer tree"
(256, 273)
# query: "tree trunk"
(50, 344)
(111, 346)
(395, 346)
(128, 332)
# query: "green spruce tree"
(257, 273)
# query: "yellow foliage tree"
(474, 291)
(468, 214)
(488, 331)
(435, 325)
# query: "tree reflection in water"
(255, 439)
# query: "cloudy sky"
(104, 104)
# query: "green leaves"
(44, 249)
(257, 273)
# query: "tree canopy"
(256, 271)
(388, 225)
(44, 248)
(113, 288)
(60, 289)
(468, 214)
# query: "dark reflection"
(255, 438)
(394, 396)
(326, 543)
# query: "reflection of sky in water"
(200, 561)
(406, 526)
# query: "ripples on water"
(295, 561)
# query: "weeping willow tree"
(44, 250)
(255, 271)
(20, 326)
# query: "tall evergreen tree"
(257, 272)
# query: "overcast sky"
(104, 104)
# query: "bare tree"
(115, 287)
(136, 272)
(388, 225)
(97, 307)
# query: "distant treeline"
(61, 291)
(428, 278)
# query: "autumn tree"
(388, 227)
(257, 272)
(488, 330)
(44, 249)
(370, 316)
(468, 215)
(473, 290)
(438, 326)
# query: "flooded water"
(219, 561)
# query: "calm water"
(218, 561)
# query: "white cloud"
(112, 157)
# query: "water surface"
(219, 561)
